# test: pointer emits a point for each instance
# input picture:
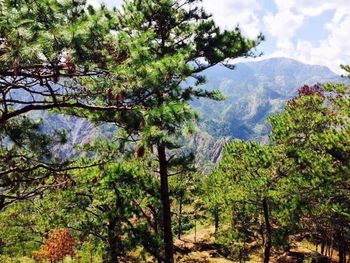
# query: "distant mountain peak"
(255, 90)
(283, 61)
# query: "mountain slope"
(254, 91)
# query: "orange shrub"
(59, 244)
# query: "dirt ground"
(200, 247)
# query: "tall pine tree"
(168, 44)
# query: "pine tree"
(46, 49)
(243, 189)
(313, 133)
(169, 43)
(296, 186)
(145, 59)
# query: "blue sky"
(311, 31)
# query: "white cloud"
(333, 51)
(109, 3)
(305, 7)
(283, 25)
(290, 15)
(229, 13)
(311, 7)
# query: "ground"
(200, 247)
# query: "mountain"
(254, 91)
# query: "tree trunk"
(216, 221)
(322, 247)
(164, 187)
(262, 233)
(332, 249)
(327, 249)
(111, 255)
(342, 246)
(195, 230)
(180, 218)
(2, 203)
(268, 243)
(286, 246)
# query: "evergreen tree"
(168, 44)
(245, 192)
(27, 166)
(147, 57)
(46, 49)
(297, 185)
(313, 132)
(116, 202)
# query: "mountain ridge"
(254, 91)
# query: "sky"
(311, 31)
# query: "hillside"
(254, 91)
(153, 131)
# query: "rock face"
(206, 147)
(254, 91)
(78, 132)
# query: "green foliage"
(166, 45)
(27, 161)
(184, 188)
(46, 49)
(17, 234)
(314, 134)
(37, 32)
(298, 182)
(237, 188)
(114, 201)
(138, 68)
(109, 206)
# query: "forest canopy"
(132, 195)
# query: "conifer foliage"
(296, 185)
(46, 49)
(135, 71)
(168, 44)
